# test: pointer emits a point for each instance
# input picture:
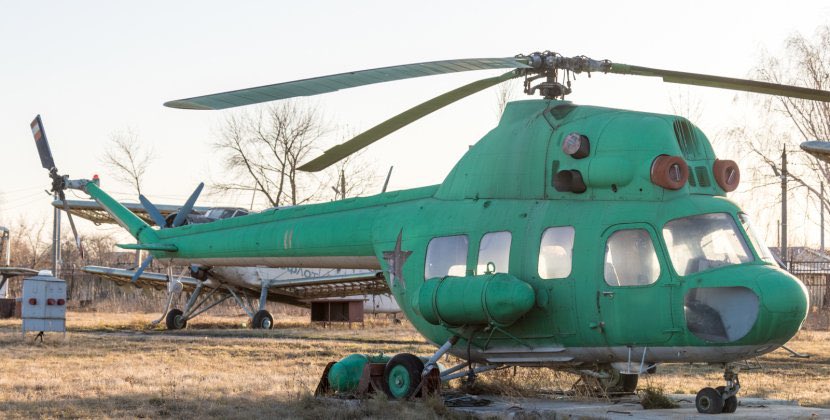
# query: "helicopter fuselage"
(535, 254)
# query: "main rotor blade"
(152, 210)
(744, 85)
(391, 125)
(335, 82)
(42, 144)
(819, 149)
(188, 206)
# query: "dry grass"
(109, 365)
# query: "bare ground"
(110, 365)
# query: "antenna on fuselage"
(386, 183)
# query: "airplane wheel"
(730, 405)
(709, 401)
(175, 320)
(262, 320)
(402, 375)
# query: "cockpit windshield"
(705, 241)
(760, 248)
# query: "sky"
(95, 68)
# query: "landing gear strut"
(721, 399)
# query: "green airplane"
(593, 240)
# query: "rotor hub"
(548, 64)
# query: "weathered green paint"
(504, 183)
(344, 376)
(491, 299)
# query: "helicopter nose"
(784, 304)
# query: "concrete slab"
(628, 407)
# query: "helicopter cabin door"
(634, 287)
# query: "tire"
(620, 382)
(174, 320)
(262, 320)
(628, 383)
(402, 375)
(709, 401)
(730, 405)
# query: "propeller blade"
(141, 268)
(152, 210)
(42, 144)
(72, 224)
(335, 82)
(188, 206)
(744, 85)
(393, 124)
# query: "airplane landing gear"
(175, 320)
(722, 399)
(262, 320)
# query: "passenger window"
(494, 248)
(630, 259)
(556, 252)
(446, 256)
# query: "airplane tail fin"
(137, 227)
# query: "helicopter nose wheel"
(722, 399)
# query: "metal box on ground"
(328, 311)
(6, 308)
(43, 303)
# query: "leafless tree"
(29, 245)
(786, 122)
(505, 92)
(352, 174)
(128, 158)
(686, 104)
(263, 150)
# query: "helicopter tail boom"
(137, 227)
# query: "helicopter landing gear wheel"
(262, 320)
(175, 320)
(619, 382)
(402, 375)
(709, 401)
(730, 405)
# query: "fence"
(816, 276)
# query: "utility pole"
(784, 206)
(821, 203)
(56, 240)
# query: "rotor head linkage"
(547, 65)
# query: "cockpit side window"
(446, 256)
(630, 259)
(556, 252)
(494, 249)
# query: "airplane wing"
(366, 283)
(122, 276)
(8, 272)
(292, 291)
(93, 211)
